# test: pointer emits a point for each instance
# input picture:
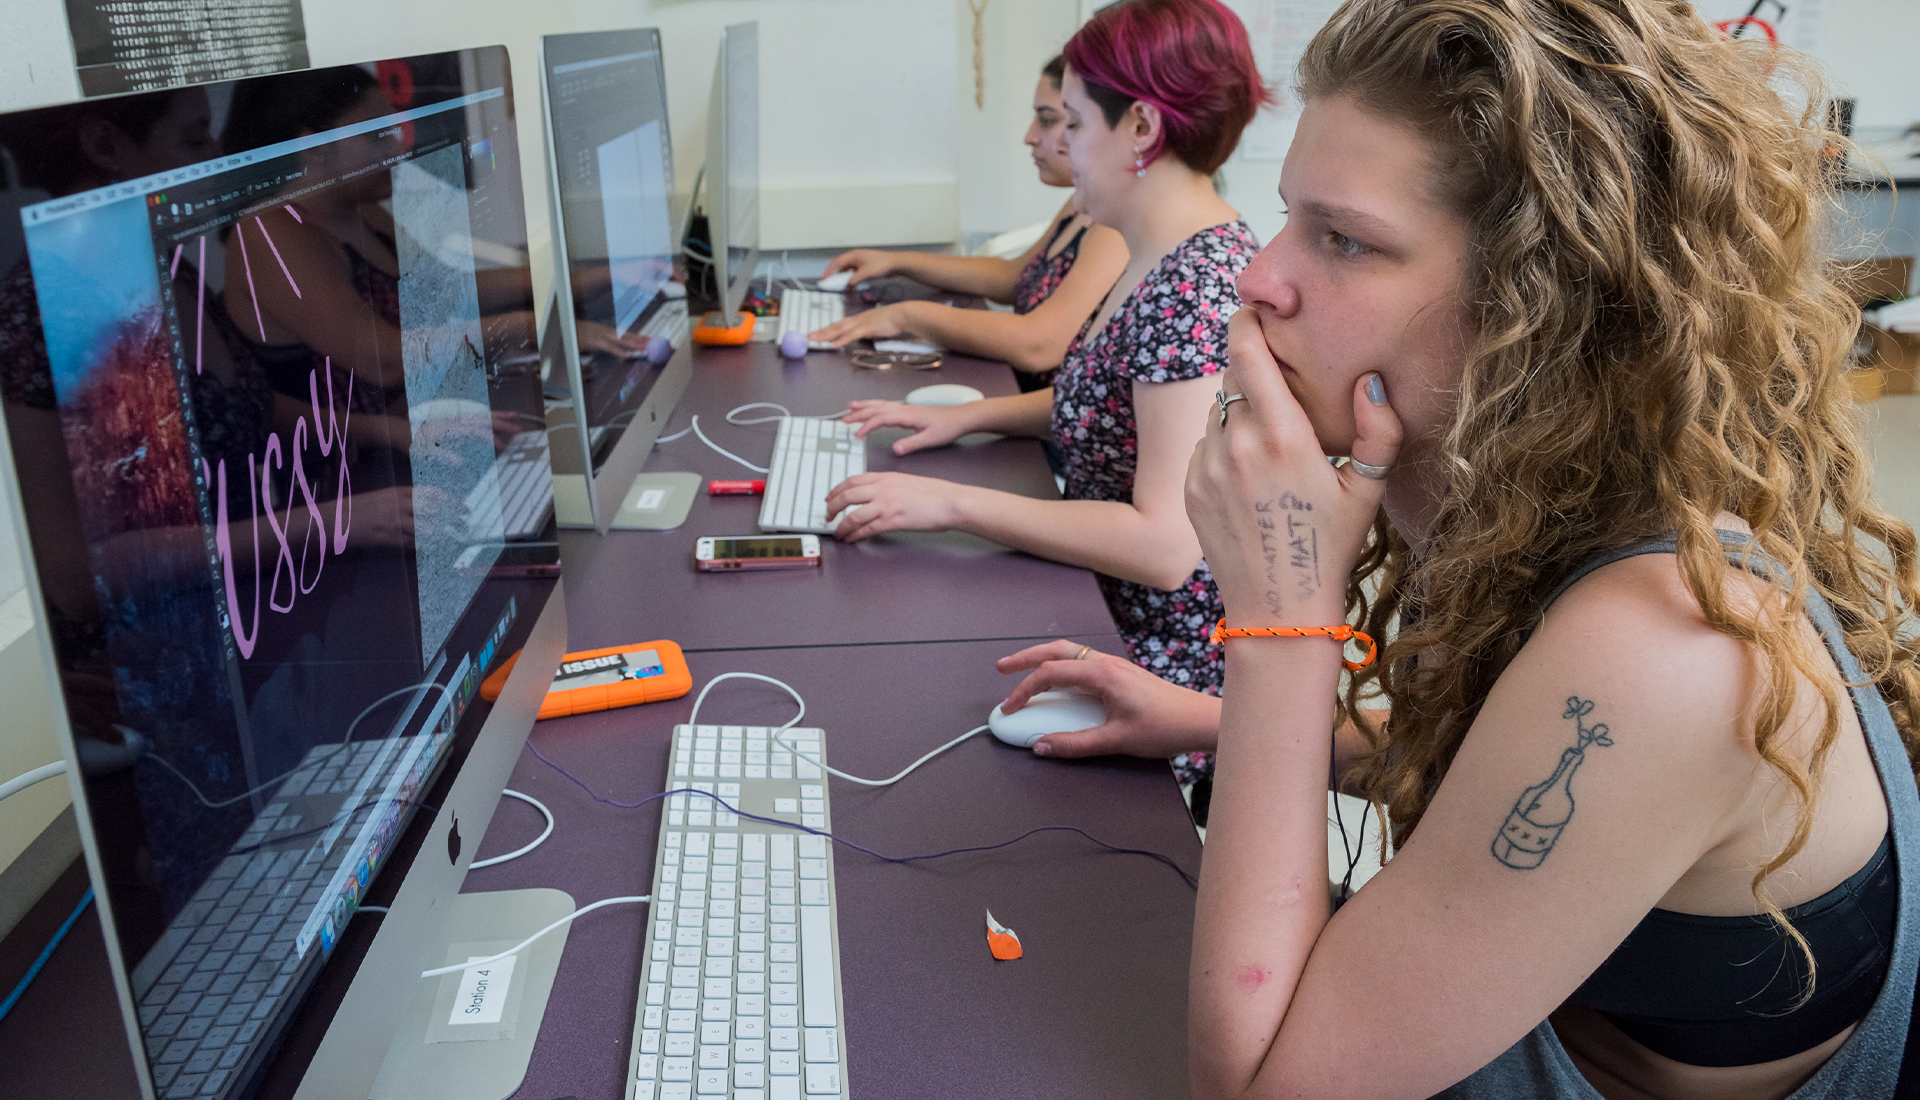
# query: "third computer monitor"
(733, 166)
(610, 159)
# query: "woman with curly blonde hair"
(1554, 281)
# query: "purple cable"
(1177, 869)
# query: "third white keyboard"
(805, 311)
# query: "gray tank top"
(1867, 1065)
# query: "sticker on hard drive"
(637, 664)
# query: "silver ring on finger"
(1225, 399)
(1368, 470)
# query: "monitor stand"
(434, 1059)
(653, 502)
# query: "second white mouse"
(1062, 711)
(836, 282)
(944, 393)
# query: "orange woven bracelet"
(1221, 632)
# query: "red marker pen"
(736, 488)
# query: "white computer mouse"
(945, 393)
(1061, 711)
(836, 282)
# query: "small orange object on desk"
(713, 330)
(1001, 940)
(601, 679)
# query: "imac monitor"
(733, 166)
(263, 340)
(610, 172)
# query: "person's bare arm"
(1147, 540)
(1032, 341)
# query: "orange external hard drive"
(601, 679)
(713, 330)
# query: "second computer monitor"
(610, 162)
(733, 166)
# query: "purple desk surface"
(910, 587)
(1097, 1008)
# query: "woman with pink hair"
(1156, 94)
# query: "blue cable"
(46, 953)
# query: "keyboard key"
(646, 1067)
(749, 1076)
(783, 1063)
(817, 967)
(713, 1057)
(650, 1041)
(784, 1039)
(750, 1027)
(711, 1082)
(822, 1044)
(676, 1069)
(676, 1092)
(714, 1033)
(679, 1046)
(823, 1080)
(680, 1021)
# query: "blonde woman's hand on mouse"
(862, 264)
(879, 323)
(932, 425)
(1146, 716)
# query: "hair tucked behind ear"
(1660, 338)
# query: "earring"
(1139, 165)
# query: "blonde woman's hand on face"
(862, 263)
(932, 425)
(878, 323)
(1146, 716)
(1281, 526)
(882, 502)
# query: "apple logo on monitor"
(453, 842)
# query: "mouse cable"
(1185, 875)
(722, 450)
(642, 899)
(521, 851)
(908, 770)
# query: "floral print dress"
(1036, 282)
(1171, 328)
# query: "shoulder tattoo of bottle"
(1543, 810)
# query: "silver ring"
(1225, 399)
(1369, 471)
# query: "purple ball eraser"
(793, 345)
(659, 349)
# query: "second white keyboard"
(805, 311)
(742, 992)
(810, 456)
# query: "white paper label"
(649, 500)
(483, 992)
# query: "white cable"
(342, 747)
(723, 450)
(670, 438)
(875, 782)
(692, 719)
(21, 782)
(784, 414)
(528, 942)
(537, 841)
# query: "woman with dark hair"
(1052, 286)
(1556, 282)
(1156, 94)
